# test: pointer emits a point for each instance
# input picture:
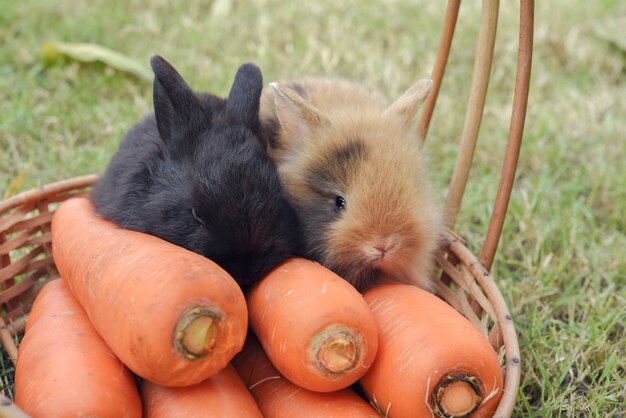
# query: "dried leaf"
(53, 51)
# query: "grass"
(561, 264)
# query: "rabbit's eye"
(340, 203)
(196, 217)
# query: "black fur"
(195, 173)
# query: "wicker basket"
(25, 251)
(25, 248)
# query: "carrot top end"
(196, 333)
(337, 349)
(456, 396)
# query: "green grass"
(561, 264)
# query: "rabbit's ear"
(243, 100)
(177, 108)
(406, 107)
(297, 118)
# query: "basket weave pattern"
(26, 265)
(25, 247)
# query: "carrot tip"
(196, 332)
(337, 349)
(457, 396)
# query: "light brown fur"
(389, 203)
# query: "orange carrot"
(63, 366)
(172, 316)
(431, 358)
(316, 328)
(279, 398)
(221, 395)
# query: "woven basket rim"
(39, 193)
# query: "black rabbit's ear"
(177, 108)
(243, 100)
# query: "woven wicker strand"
(25, 251)
(516, 130)
(443, 52)
(511, 157)
(16, 326)
(475, 106)
(44, 193)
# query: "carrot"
(63, 366)
(172, 316)
(221, 395)
(431, 358)
(279, 398)
(314, 326)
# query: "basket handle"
(516, 130)
(476, 103)
(475, 106)
(443, 52)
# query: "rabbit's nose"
(383, 248)
(380, 249)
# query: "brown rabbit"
(352, 167)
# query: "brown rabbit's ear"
(296, 117)
(406, 107)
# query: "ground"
(561, 264)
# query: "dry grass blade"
(15, 185)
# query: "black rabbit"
(195, 174)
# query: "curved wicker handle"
(516, 130)
(475, 106)
(443, 52)
(476, 103)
